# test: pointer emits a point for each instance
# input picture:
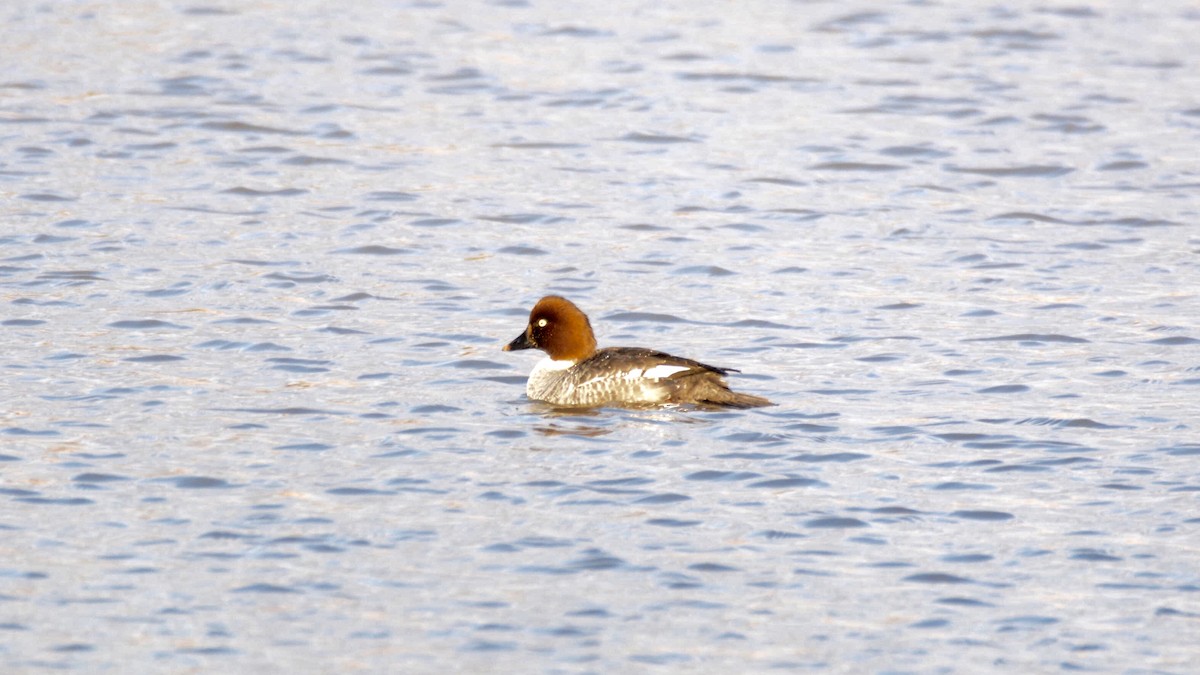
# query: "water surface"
(257, 262)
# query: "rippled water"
(257, 261)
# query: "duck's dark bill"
(522, 341)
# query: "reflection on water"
(258, 264)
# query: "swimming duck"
(576, 374)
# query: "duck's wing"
(676, 379)
(652, 363)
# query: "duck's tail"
(734, 399)
(709, 388)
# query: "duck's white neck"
(549, 365)
(544, 376)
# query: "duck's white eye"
(542, 323)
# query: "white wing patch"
(657, 372)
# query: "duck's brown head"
(559, 328)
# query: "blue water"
(257, 261)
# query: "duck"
(575, 374)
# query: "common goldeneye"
(576, 374)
